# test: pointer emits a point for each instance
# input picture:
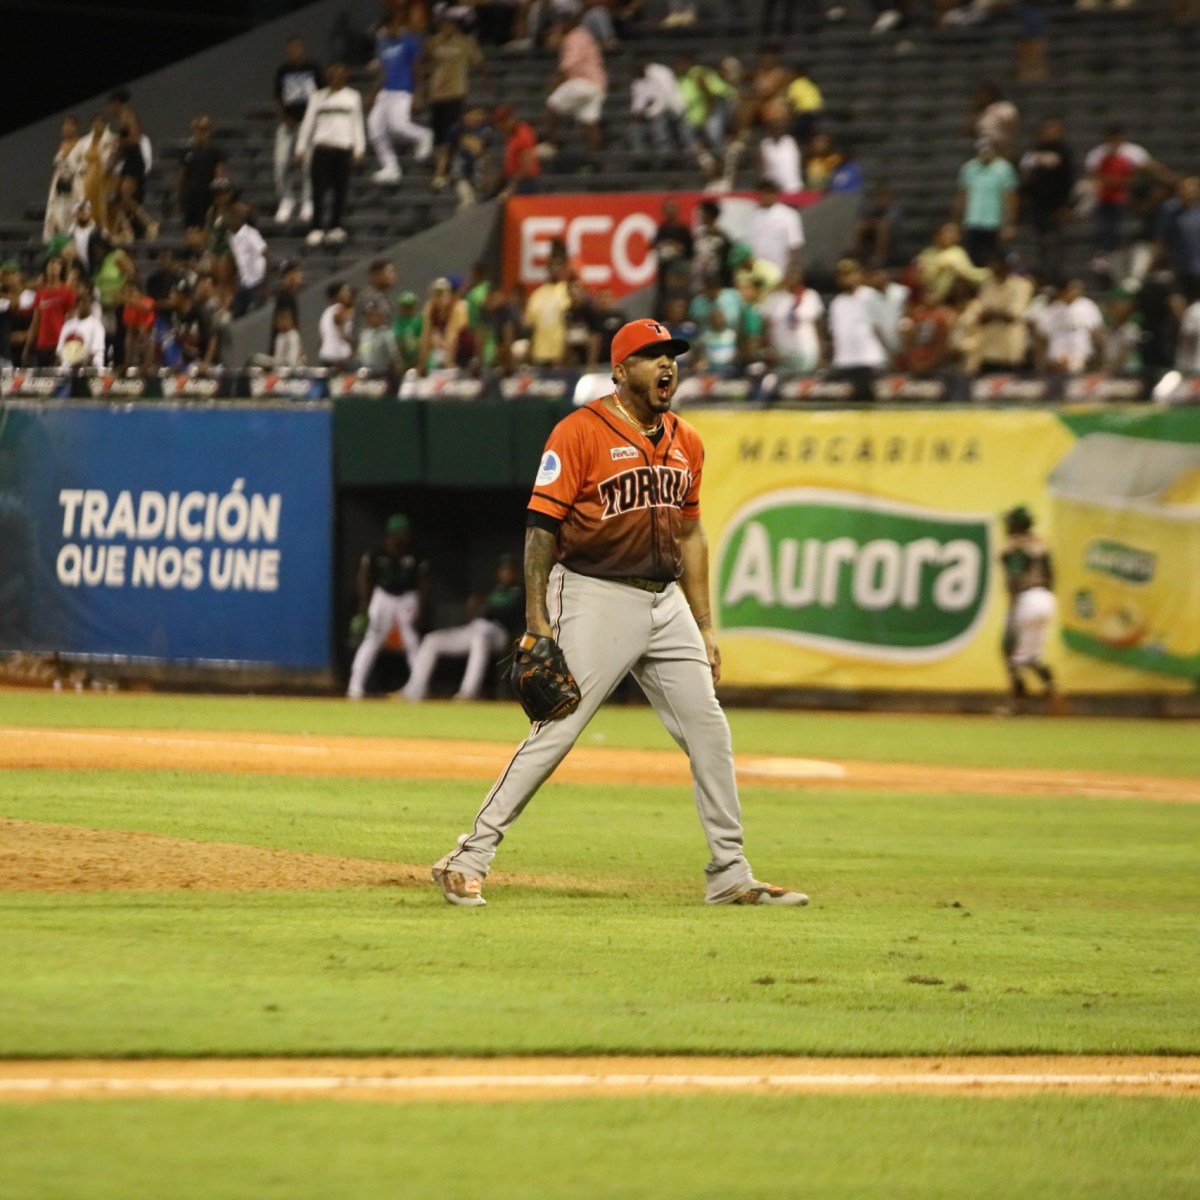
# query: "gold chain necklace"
(646, 429)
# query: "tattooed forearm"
(539, 558)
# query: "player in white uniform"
(616, 572)
(390, 582)
(1029, 574)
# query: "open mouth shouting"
(664, 384)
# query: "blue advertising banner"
(175, 534)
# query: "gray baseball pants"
(606, 629)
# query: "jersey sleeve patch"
(550, 469)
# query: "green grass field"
(939, 924)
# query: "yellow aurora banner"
(859, 549)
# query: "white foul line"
(848, 1081)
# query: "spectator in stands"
(12, 338)
(805, 103)
(81, 340)
(1047, 185)
(546, 316)
(656, 108)
(1160, 304)
(823, 159)
(1187, 354)
(522, 168)
(891, 305)
(493, 622)
(194, 256)
(878, 236)
(191, 340)
(766, 85)
(331, 138)
(336, 327)
(377, 351)
(708, 102)
(753, 286)
(65, 187)
(406, 329)
(994, 118)
(1068, 331)
(138, 314)
(674, 248)
(53, 299)
(847, 176)
(502, 325)
(398, 63)
(987, 202)
(287, 295)
(166, 270)
(944, 262)
(717, 345)
(381, 279)
(1111, 166)
(202, 165)
(714, 292)
(471, 142)
(1121, 338)
(583, 327)
(794, 316)
(779, 152)
(579, 86)
(925, 333)
(445, 340)
(858, 349)
(997, 320)
(297, 78)
(129, 165)
(1179, 232)
(287, 348)
(451, 54)
(124, 122)
(221, 262)
(711, 246)
(129, 220)
(91, 159)
(87, 239)
(249, 249)
(776, 232)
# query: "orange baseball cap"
(640, 336)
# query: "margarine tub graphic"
(1127, 551)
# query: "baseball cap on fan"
(638, 337)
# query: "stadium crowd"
(966, 300)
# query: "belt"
(646, 585)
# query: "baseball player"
(390, 586)
(616, 572)
(397, 53)
(1029, 574)
(499, 618)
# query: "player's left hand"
(714, 653)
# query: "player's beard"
(648, 398)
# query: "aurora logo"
(856, 574)
(1122, 562)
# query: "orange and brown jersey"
(621, 498)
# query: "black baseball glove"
(542, 680)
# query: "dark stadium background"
(61, 52)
